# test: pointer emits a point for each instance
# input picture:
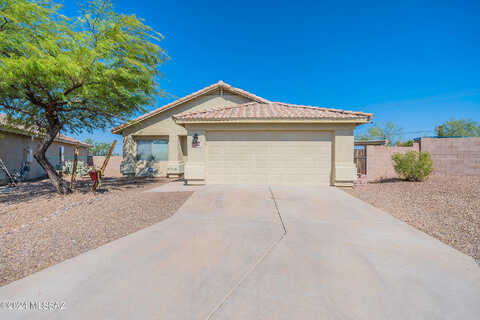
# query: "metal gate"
(360, 158)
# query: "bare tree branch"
(8, 106)
(32, 98)
(74, 87)
(47, 92)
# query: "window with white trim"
(152, 149)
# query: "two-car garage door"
(302, 158)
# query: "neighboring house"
(17, 146)
(222, 134)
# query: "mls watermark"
(32, 305)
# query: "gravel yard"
(39, 228)
(445, 207)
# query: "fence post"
(74, 169)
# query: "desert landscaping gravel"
(445, 207)
(39, 228)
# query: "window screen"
(152, 150)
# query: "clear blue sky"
(414, 63)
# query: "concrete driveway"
(261, 252)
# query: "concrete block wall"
(379, 161)
(454, 156)
(450, 156)
(113, 166)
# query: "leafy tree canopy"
(74, 74)
(98, 148)
(407, 143)
(458, 128)
(388, 131)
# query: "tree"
(458, 128)
(74, 75)
(98, 148)
(408, 143)
(389, 132)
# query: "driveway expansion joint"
(255, 265)
(278, 210)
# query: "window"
(152, 150)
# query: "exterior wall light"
(195, 142)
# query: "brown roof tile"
(272, 111)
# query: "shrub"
(82, 170)
(413, 166)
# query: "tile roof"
(272, 111)
(21, 130)
(219, 84)
(70, 140)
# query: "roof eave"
(16, 131)
(328, 121)
(37, 136)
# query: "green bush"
(413, 166)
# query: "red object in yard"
(93, 175)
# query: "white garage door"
(285, 158)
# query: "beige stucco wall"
(164, 126)
(343, 167)
(13, 151)
(194, 164)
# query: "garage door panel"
(269, 157)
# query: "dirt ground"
(445, 207)
(39, 228)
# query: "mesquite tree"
(60, 74)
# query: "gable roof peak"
(210, 88)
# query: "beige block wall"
(13, 152)
(450, 156)
(454, 156)
(343, 167)
(164, 126)
(379, 161)
(113, 166)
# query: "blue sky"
(415, 63)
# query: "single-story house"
(17, 146)
(221, 134)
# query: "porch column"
(195, 168)
(175, 166)
(345, 170)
